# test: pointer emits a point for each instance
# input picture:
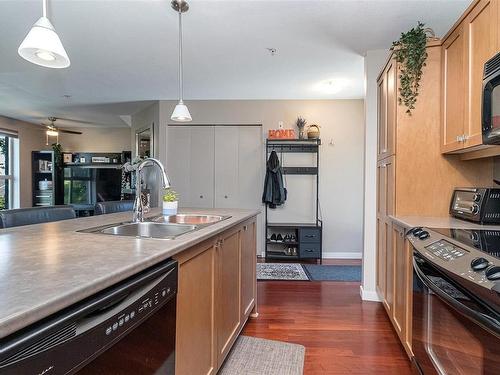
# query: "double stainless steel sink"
(159, 227)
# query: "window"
(8, 151)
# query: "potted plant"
(301, 124)
(170, 202)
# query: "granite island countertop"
(47, 267)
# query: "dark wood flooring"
(341, 333)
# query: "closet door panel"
(226, 167)
(251, 174)
(178, 162)
(201, 171)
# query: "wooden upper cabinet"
(453, 99)
(465, 50)
(387, 107)
(480, 32)
(248, 257)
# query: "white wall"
(341, 164)
(374, 62)
(96, 140)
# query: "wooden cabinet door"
(389, 268)
(481, 39)
(400, 279)
(382, 116)
(453, 91)
(248, 268)
(381, 189)
(196, 338)
(392, 106)
(228, 316)
(381, 257)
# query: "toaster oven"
(481, 205)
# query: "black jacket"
(274, 191)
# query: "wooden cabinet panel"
(400, 277)
(454, 73)
(389, 268)
(248, 268)
(392, 103)
(481, 37)
(228, 316)
(382, 116)
(196, 313)
(381, 258)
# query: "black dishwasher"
(128, 328)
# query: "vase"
(170, 208)
(302, 134)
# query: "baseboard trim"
(332, 255)
(369, 295)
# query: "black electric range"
(456, 301)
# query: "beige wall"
(95, 140)
(341, 164)
(31, 138)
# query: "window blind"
(8, 133)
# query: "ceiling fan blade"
(69, 131)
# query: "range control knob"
(474, 209)
(424, 235)
(493, 273)
(477, 197)
(416, 232)
(479, 264)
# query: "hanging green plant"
(410, 52)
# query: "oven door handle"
(487, 322)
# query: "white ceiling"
(124, 53)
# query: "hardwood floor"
(341, 333)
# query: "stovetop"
(487, 241)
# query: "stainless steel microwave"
(491, 101)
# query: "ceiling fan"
(53, 131)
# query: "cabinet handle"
(201, 196)
(245, 227)
(225, 196)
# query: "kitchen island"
(48, 267)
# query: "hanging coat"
(274, 191)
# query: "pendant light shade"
(42, 45)
(181, 111)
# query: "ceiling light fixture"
(52, 133)
(181, 112)
(42, 45)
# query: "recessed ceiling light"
(331, 86)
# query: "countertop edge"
(15, 322)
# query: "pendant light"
(181, 112)
(42, 45)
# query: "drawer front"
(309, 250)
(310, 235)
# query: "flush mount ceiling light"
(42, 45)
(181, 112)
(331, 86)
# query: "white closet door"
(226, 167)
(178, 162)
(201, 171)
(251, 179)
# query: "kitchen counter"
(47, 267)
(438, 222)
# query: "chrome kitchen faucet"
(139, 207)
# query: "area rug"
(318, 272)
(280, 271)
(254, 356)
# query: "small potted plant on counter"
(170, 202)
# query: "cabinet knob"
(225, 196)
(245, 227)
(201, 196)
